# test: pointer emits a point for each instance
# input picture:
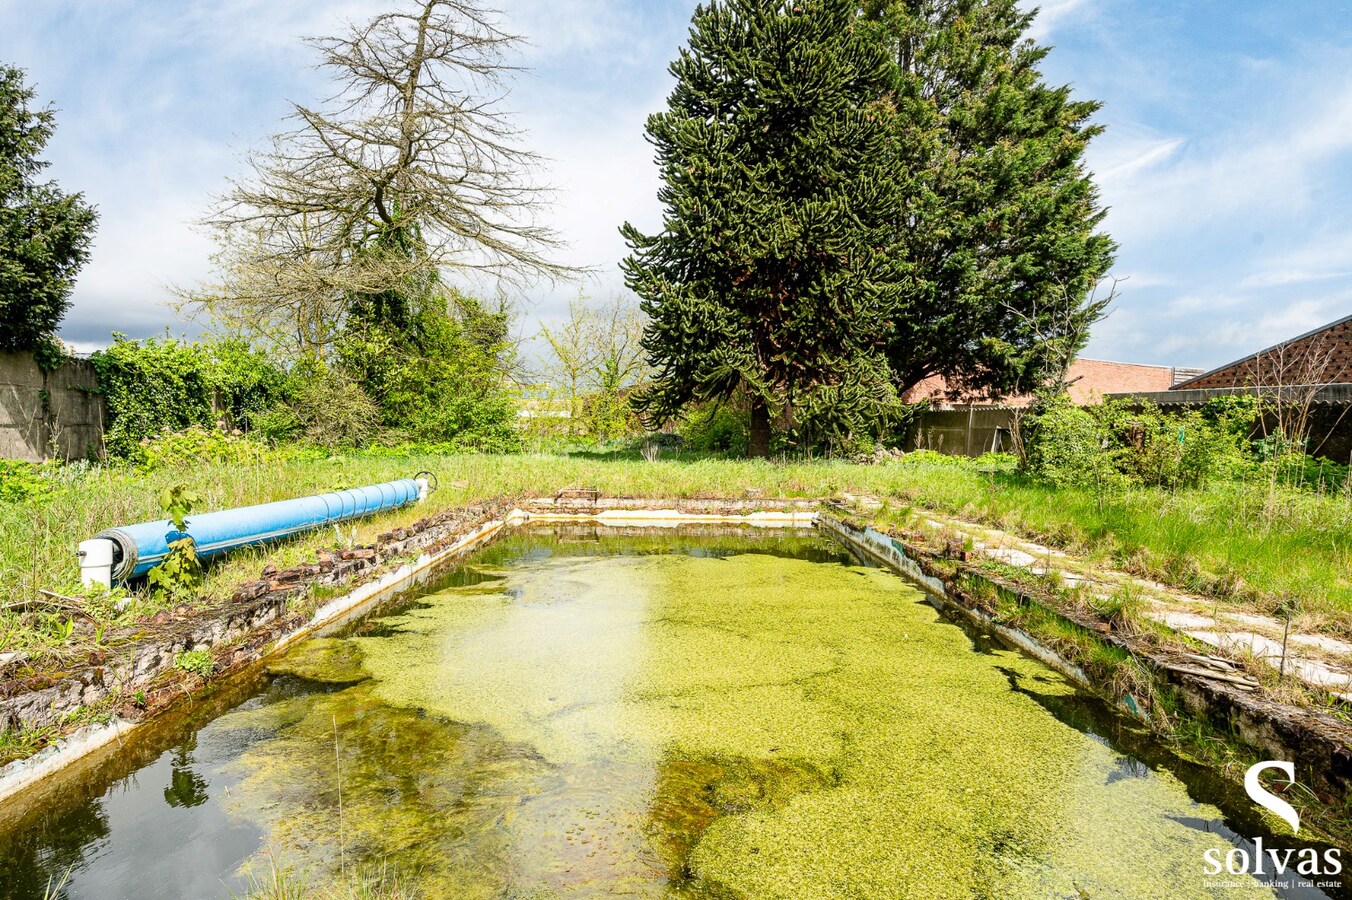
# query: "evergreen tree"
(769, 274)
(44, 233)
(997, 238)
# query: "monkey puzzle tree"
(997, 234)
(769, 273)
(44, 232)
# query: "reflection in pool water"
(714, 717)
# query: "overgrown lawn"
(1262, 544)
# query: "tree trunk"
(759, 445)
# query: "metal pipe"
(129, 551)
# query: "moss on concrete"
(327, 660)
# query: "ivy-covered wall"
(162, 384)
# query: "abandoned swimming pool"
(580, 713)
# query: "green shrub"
(194, 445)
(178, 577)
(1286, 462)
(440, 379)
(1120, 442)
(21, 481)
(247, 384)
(281, 424)
(152, 386)
(608, 416)
(1066, 445)
(160, 385)
(435, 379)
(1179, 448)
(50, 354)
(330, 410)
(717, 428)
(179, 574)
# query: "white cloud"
(1230, 221)
(1052, 13)
(1321, 259)
(1247, 335)
(1129, 157)
(1269, 168)
(1285, 277)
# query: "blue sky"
(1227, 160)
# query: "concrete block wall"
(965, 431)
(47, 415)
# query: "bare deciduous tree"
(573, 355)
(1288, 379)
(410, 168)
(621, 360)
(1059, 333)
(596, 349)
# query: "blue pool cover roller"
(139, 548)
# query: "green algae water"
(580, 715)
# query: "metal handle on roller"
(428, 482)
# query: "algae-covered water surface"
(580, 715)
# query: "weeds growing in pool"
(745, 724)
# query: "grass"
(1257, 544)
(280, 883)
(1265, 546)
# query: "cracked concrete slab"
(1180, 621)
(1251, 621)
(1013, 557)
(1323, 642)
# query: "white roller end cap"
(96, 562)
(423, 487)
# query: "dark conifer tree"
(998, 235)
(44, 232)
(770, 272)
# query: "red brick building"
(1091, 380)
(1322, 356)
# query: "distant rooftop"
(1321, 356)
(1091, 380)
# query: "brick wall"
(1092, 379)
(1324, 357)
